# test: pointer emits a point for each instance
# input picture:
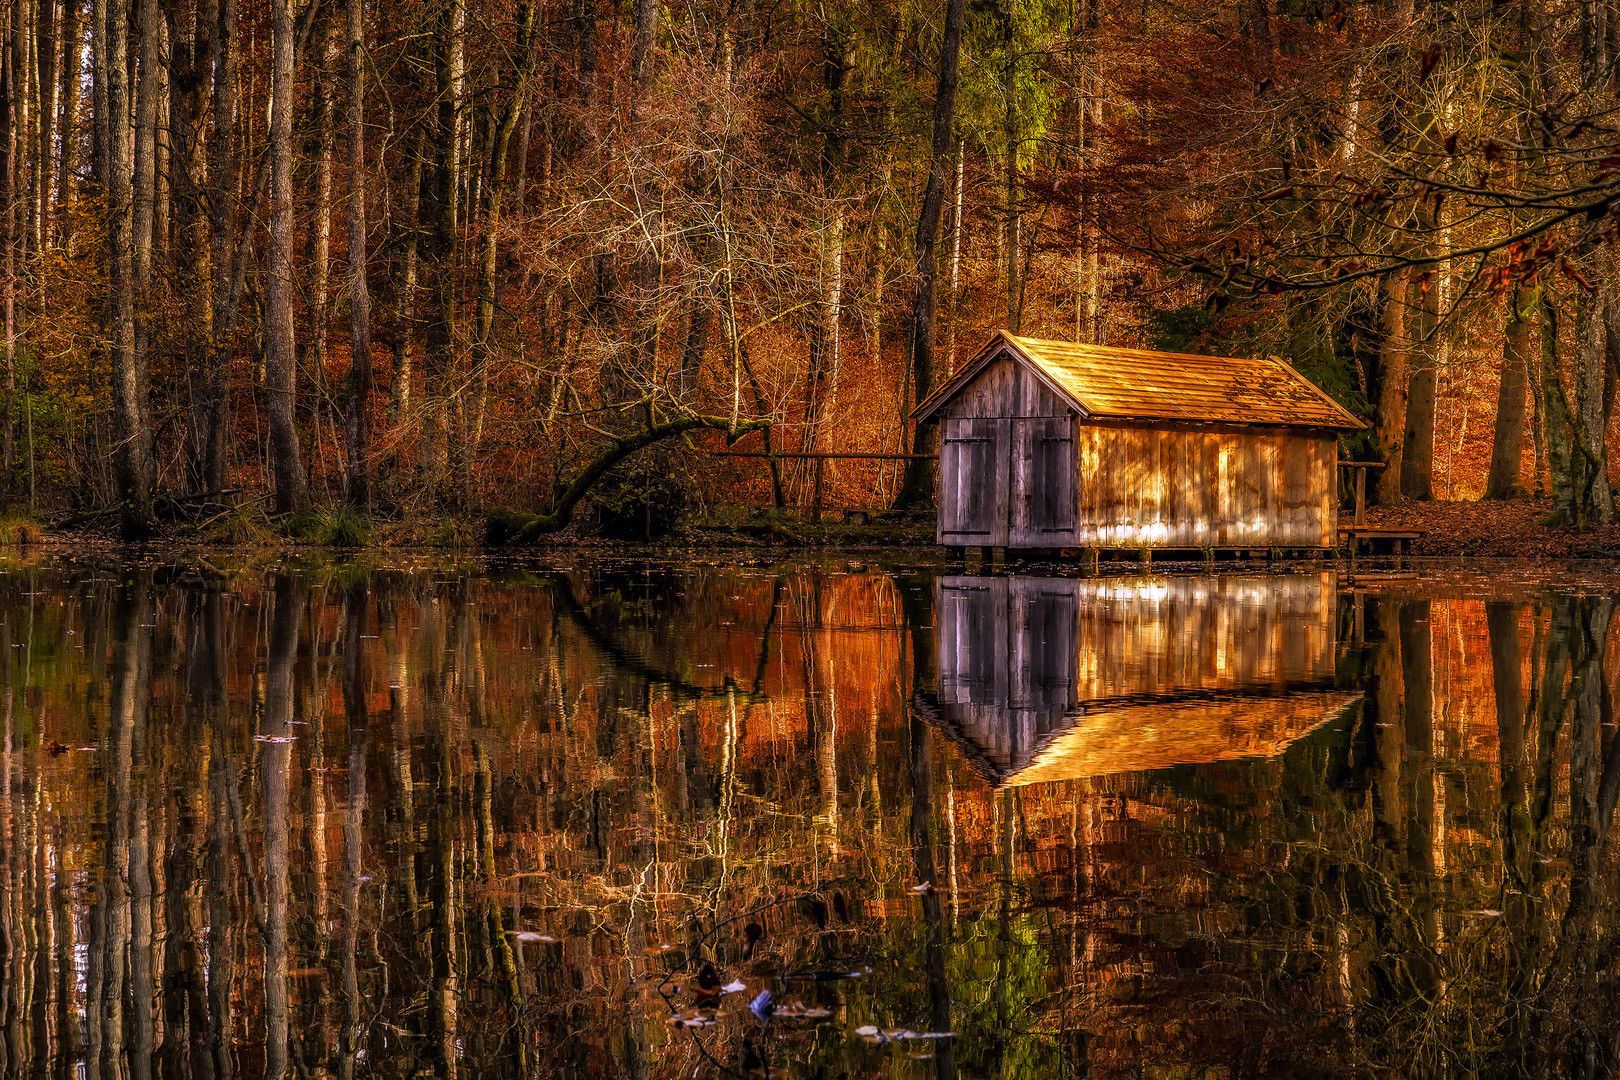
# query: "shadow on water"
(668, 821)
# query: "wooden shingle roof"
(1139, 384)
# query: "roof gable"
(1139, 384)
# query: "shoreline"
(1507, 530)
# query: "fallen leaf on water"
(528, 935)
(925, 887)
(734, 987)
(1489, 913)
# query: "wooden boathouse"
(1052, 445)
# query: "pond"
(660, 819)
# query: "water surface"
(654, 820)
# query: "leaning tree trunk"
(916, 488)
(280, 359)
(507, 527)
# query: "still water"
(820, 820)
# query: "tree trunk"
(357, 414)
(214, 391)
(280, 359)
(441, 385)
(131, 424)
(1390, 427)
(1594, 502)
(1507, 443)
(404, 279)
(916, 489)
(71, 74)
(146, 173)
(320, 244)
(1423, 304)
(45, 46)
(646, 39)
(189, 45)
(1556, 417)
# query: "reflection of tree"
(356, 685)
(276, 729)
(919, 614)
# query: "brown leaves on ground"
(1513, 529)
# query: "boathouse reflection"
(1046, 679)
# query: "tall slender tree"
(280, 349)
(357, 415)
(915, 489)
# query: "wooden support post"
(1361, 497)
(815, 499)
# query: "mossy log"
(509, 527)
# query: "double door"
(1007, 482)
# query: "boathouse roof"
(1140, 384)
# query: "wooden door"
(972, 483)
(1043, 482)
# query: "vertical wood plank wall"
(1136, 484)
(1142, 486)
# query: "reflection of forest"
(399, 822)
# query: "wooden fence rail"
(821, 462)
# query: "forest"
(443, 257)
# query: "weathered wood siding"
(1018, 468)
(1141, 486)
(1005, 388)
(1022, 658)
